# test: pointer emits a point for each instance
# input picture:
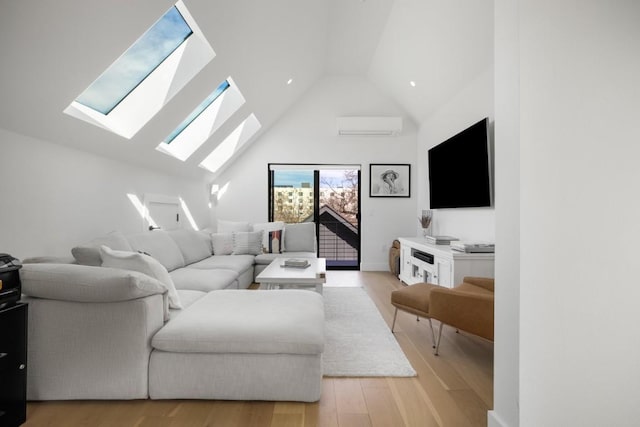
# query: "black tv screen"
(460, 171)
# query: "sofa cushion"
(159, 245)
(82, 283)
(240, 321)
(193, 245)
(272, 239)
(204, 280)
(300, 237)
(247, 243)
(222, 243)
(145, 264)
(230, 226)
(187, 297)
(237, 263)
(89, 253)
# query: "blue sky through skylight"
(198, 110)
(144, 56)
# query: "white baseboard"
(380, 266)
(493, 420)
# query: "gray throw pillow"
(300, 237)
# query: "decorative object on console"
(440, 240)
(469, 247)
(389, 180)
(425, 221)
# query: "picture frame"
(389, 180)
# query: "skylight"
(199, 109)
(135, 65)
(203, 121)
(146, 76)
(232, 145)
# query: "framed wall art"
(389, 180)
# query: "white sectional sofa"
(99, 332)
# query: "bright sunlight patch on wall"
(142, 209)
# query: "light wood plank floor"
(453, 389)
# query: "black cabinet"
(13, 365)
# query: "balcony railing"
(338, 243)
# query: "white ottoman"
(242, 345)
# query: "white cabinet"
(423, 262)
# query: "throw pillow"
(247, 243)
(144, 264)
(89, 253)
(231, 226)
(300, 237)
(222, 243)
(274, 242)
(267, 228)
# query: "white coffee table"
(275, 276)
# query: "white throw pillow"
(247, 243)
(222, 243)
(144, 264)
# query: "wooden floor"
(453, 389)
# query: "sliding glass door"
(327, 195)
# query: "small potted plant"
(425, 221)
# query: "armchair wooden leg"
(394, 319)
(439, 337)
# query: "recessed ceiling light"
(289, 81)
(412, 83)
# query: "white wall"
(54, 197)
(307, 134)
(507, 154)
(580, 213)
(470, 105)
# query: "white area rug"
(358, 342)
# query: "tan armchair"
(468, 306)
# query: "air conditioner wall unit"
(369, 126)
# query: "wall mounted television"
(460, 170)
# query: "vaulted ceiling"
(51, 51)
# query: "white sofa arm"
(81, 283)
(90, 331)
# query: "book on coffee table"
(296, 263)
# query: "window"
(203, 121)
(199, 109)
(146, 76)
(337, 219)
(135, 65)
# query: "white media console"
(439, 264)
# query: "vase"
(426, 232)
